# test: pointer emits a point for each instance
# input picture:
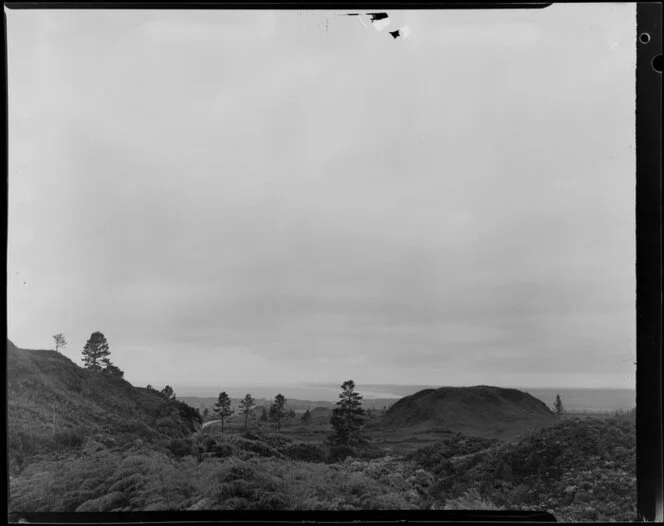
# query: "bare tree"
(60, 341)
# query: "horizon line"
(436, 386)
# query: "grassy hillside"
(54, 404)
(481, 410)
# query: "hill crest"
(52, 401)
(479, 410)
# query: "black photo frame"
(648, 272)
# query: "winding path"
(205, 424)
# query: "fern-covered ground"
(580, 469)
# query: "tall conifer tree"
(223, 408)
(95, 350)
(247, 408)
(279, 412)
(558, 408)
(347, 418)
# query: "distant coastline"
(574, 399)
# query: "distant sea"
(574, 399)
(587, 399)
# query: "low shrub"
(69, 438)
(181, 447)
(109, 502)
(223, 450)
(305, 452)
(340, 453)
(239, 472)
(252, 435)
(471, 500)
(206, 444)
(21, 445)
(370, 451)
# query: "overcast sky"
(246, 197)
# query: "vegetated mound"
(481, 410)
(53, 403)
(582, 469)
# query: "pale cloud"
(246, 196)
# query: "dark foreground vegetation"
(581, 470)
(119, 448)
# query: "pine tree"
(60, 341)
(306, 417)
(95, 350)
(247, 408)
(223, 408)
(279, 412)
(263, 417)
(558, 408)
(347, 418)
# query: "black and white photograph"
(323, 260)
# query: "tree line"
(347, 419)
